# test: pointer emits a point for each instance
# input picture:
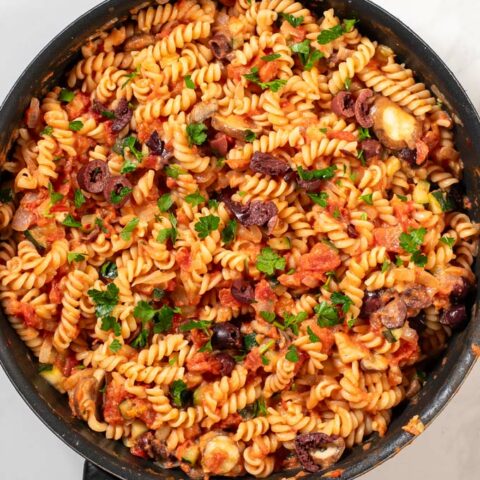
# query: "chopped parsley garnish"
(312, 336)
(196, 133)
(140, 341)
(385, 266)
(78, 198)
(250, 341)
(189, 82)
(45, 367)
(449, 241)
(75, 126)
(327, 315)
(398, 261)
(109, 270)
(66, 95)
(71, 222)
(268, 261)
(367, 198)
(411, 243)
(168, 233)
(250, 136)
(126, 233)
(389, 336)
(129, 165)
(48, 130)
(107, 114)
(319, 198)
(293, 21)
(271, 57)
(212, 204)
(130, 76)
(174, 171)
(144, 311)
(335, 32)
(75, 257)
(229, 233)
(322, 174)
(255, 409)
(163, 319)
(343, 300)
(274, 85)
(165, 202)
(293, 321)
(363, 134)
(348, 83)
(403, 198)
(179, 393)
(158, 294)
(207, 225)
(307, 55)
(195, 325)
(195, 199)
(336, 213)
(105, 300)
(111, 323)
(116, 198)
(268, 316)
(55, 197)
(99, 223)
(292, 354)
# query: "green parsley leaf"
(327, 316)
(165, 234)
(273, 85)
(174, 171)
(48, 130)
(195, 199)
(419, 259)
(109, 270)
(449, 241)
(348, 24)
(140, 341)
(319, 198)
(158, 294)
(165, 202)
(55, 197)
(403, 198)
(75, 126)
(75, 257)
(442, 198)
(6, 195)
(336, 213)
(115, 346)
(250, 136)
(196, 133)
(398, 261)
(130, 76)
(45, 367)
(110, 323)
(340, 299)
(78, 198)
(250, 341)
(195, 325)
(116, 198)
(66, 95)
(348, 83)
(292, 354)
(212, 204)
(179, 393)
(268, 261)
(107, 114)
(323, 130)
(130, 142)
(327, 36)
(312, 336)
(293, 21)
(385, 266)
(189, 82)
(367, 198)
(99, 223)
(163, 319)
(206, 225)
(410, 242)
(361, 157)
(229, 233)
(126, 233)
(363, 134)
(144, 311)
(268, 316)
(323, 174)
(293, 321)
(71, 222)
(207, 347)
(271, 57)
(106, 300)
(308, 56)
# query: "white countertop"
(448, 450)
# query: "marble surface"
(449, 447)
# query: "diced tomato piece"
(341, 135)
(232, 421)
(115, 394)
(263, 292)
(403, 211)
(138, 452)
(422, 152)
(236, 73)
(184, 258)
(253, 361)
(268, 71)
(326, 337)
(388, 237)
(226, 298)
(407, 353)
(30, 318)
(70, 363)
(298, 33)
(78, 106)
(203, 362)
(199, 338)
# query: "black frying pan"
(52, 408)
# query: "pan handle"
(92, 472)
